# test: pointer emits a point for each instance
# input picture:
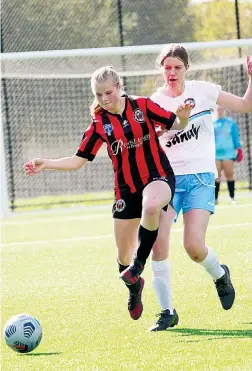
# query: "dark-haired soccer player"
(143, 178)
(191, 153)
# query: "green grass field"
(60, 266)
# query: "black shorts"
(130, 207)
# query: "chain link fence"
(45, 116)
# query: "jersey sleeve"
(209, 91)
(90, 144)
(161, 117)
(235, 135)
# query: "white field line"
(65, 219)
(62, 210)
(90, 238)
(60, 219)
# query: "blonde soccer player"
(143, 178)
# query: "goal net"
(46, 99)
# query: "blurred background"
(46, 98)
(46, 25)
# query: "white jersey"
(191, 150)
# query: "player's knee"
(195, 257)
(151, 208)
(193, 249)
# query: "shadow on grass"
(212, 334)
(41, 354)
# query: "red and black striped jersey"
(132, 143)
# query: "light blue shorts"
(194, 191)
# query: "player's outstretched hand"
(183, 112)
(249, 66)
(34, 167)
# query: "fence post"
(120, 25)
(9, 149)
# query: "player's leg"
(228, 168)
(198, 207)
(195, 225)
(160, 263)
(156, 195)
(218, 180)
(126, 231)
(160, 266)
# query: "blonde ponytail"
(95, 108)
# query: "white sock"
(162, 283)
(212, 265)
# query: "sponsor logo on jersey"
(119, 145)
(116, 146)
(184, 136)
(138, 115)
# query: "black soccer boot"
(166, 320)
(225, 289)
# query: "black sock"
(217, 188)
(121, 267)
(146, 240)
(231, 188)
(133, 289)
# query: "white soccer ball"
(22, 333)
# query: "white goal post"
(123, 50)
(4, 194)
(49, 95)
(128, 60)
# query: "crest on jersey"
(190, 101)
(138, 115)
(119, 205)
(108, 128)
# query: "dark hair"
(173, 50)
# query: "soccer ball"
(22, 333)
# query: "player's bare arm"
(36, 165)
(240, 104)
